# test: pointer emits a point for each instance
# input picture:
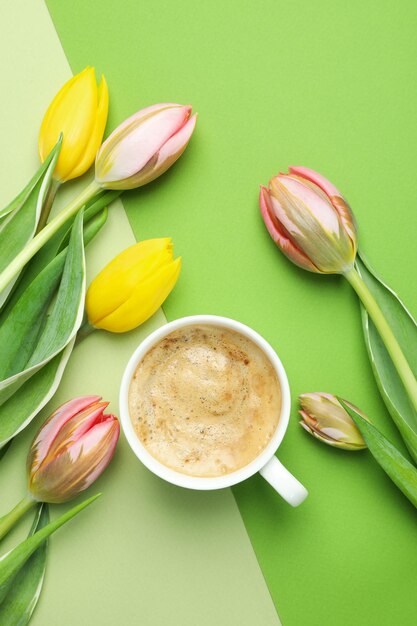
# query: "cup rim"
(198, 482)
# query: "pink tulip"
(144, 146)
(310, 221)
(71, 449)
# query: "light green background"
(146, 553)
(330, 85)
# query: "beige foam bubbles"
(205, 400)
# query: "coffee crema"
(205, 400)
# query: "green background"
(325, 84)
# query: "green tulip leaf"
(22, 407)
(398, 468)
(23, 590)
(19, 332)
(23, 196)
(65, 316)
(12, 561)
(22, 216)
(95, 215)
(404, 328)
(93, 222)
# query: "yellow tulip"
(78, 111)
(132, 286)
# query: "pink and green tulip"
(310, 221)
(313, 225)
(144, 146)
(324, 417)
(69, 452)
(71, 449)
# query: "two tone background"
(325, 84)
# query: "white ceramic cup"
(265, 463)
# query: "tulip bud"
(144, 146)
(326, 419)
(310, 221)
(132, 286)
(79, 112)
(71, 449)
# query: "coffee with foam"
(205, 400)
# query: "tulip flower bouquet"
(42, 261)
(44, 309)
(312, 224)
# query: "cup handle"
(282, 481)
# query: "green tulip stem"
(85, 329)
(9, 520)
(46, 233)
(384, 329)
(49, 200)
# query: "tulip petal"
(132, 121)
(334, 195)
(96, 136)
(108, 443)
(348, 220)
(330, 442)
(102, 436)
(75, 428)
(73, 471)
(117, 281)
(94, 438)
(312, 222)
(307, 200)
(45, 137)
(162, 161)
(72, 112)
(325, 185)
(176, 145)
(130, 148)
(275, 230)
(168, 154)
(50, 429)
(144, 301)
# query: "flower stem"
(46, 209)
(9, 520)
(384, 329)
(85, 329)
(46, 233)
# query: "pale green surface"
(146, 553)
